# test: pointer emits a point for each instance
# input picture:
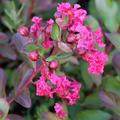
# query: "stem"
(31, 8)
(55, 49)
(109, 48)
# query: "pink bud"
(23, 31)
(33, 55)
(54, 64)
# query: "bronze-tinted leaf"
(15, 117)
(4, 108)
(20, 42)
(7, 51)
(2, 83)
(3, 38)
(24, 99)
(64, 47)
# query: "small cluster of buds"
(81, 39)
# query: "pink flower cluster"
(79, 35)
(86, 40)
(39, 31)
(58, 85)
(53, 84)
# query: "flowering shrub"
(45, 49)
(80, 39)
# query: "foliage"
(99, 94)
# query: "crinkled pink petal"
(42, 89)
(59, 110)
(48, 44)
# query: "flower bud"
(23, 31)
(33, 55)
(54, 64)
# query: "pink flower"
(73, 38)
(71, 88)
(80, 15)
(35, 28)
(49, 26)
(96, 62)
(50, 22)
(98, 37)
(59, 110)
(74, 94)
(64, 8)
(76, 6)
(42, 88)
(64, 15)
(48, 43)
(37, 20)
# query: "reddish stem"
(31, 8)
(109, 48)
(55, 49)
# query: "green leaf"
(8, 23)
(51, 58)
(114, 39)
(66, 20)
(111, 84)
(92, 22)
(4, 108)
(108, 12)
(97, 79)
(64, 55)
(92, 101)
(31, 47)
(93, 115)
(86, 77)
(55, 32)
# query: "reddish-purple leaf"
(20, 42)
(2, 83)
(45, 5)
(3, 38)
(24, 99)
(25, 72)
(14, 117)
(71, 59)
(115, 61)
(64, 47)
(110, 101)
(7, 51)
(114, 39)
(24, 75)
(107, 101)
